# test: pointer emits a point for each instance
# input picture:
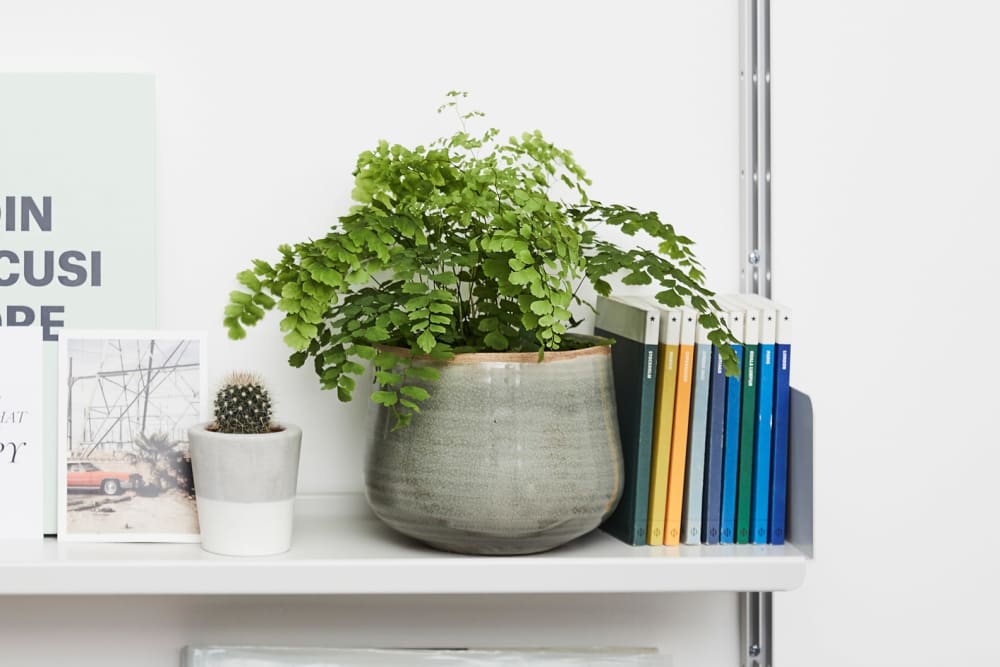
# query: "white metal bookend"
(756, 639)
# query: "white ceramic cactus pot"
(245, 486)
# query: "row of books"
(706, 454)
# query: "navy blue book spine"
(712, 514)
(779, 459)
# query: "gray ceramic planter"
(508, 456)
(245, 486)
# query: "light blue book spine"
(694, 481)
(762, 445)
(731, 454)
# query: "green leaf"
(495, 268)
(375, 334)
(426, 341)
(602, 287)
(296, 341)
(363, 351)
(488, 324)
(387, 378)
(496, 340)
(445, 278)
(523, 277)
(417, 302)
(416, 393)
(307, 330)
(670, 298)
(386, 360)
(264, 301)
(637, 278)
(541, 307)
(353, 367)
(410, 405)
(414, 288)
(386, 398)
(248, 279)
(290, 305)
(240, 297)
(441, 308)
(262, 268)
(236, 332)
(423, 373)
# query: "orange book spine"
(678, 446)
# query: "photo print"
(126, 402)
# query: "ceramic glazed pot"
(508, 455)
(245, 486)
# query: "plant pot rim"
(599, 347)
(286, 429)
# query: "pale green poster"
(77, 214)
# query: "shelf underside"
(339, 547)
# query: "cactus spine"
(243, 405)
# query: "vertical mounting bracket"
(756, 637)
(756, 641)
(755, 147)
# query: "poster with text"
(20, 434)
(77, 214)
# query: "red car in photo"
(84, 475)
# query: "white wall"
(887, 164)
(262, 109)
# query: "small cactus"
(243, 405)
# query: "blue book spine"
(731, 453)
(762, 446)
(779, 467)
(712, 514)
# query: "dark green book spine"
(634, 360)
(748, 418)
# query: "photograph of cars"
(84, 475)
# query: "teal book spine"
(634, 328)
(748, 418)
(761, 495)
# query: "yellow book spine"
(678, 446)
(666, 388)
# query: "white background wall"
(262, 109)
(886, 211)
(887, 156)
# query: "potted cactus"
(245, 472)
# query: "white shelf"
(339, 547)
